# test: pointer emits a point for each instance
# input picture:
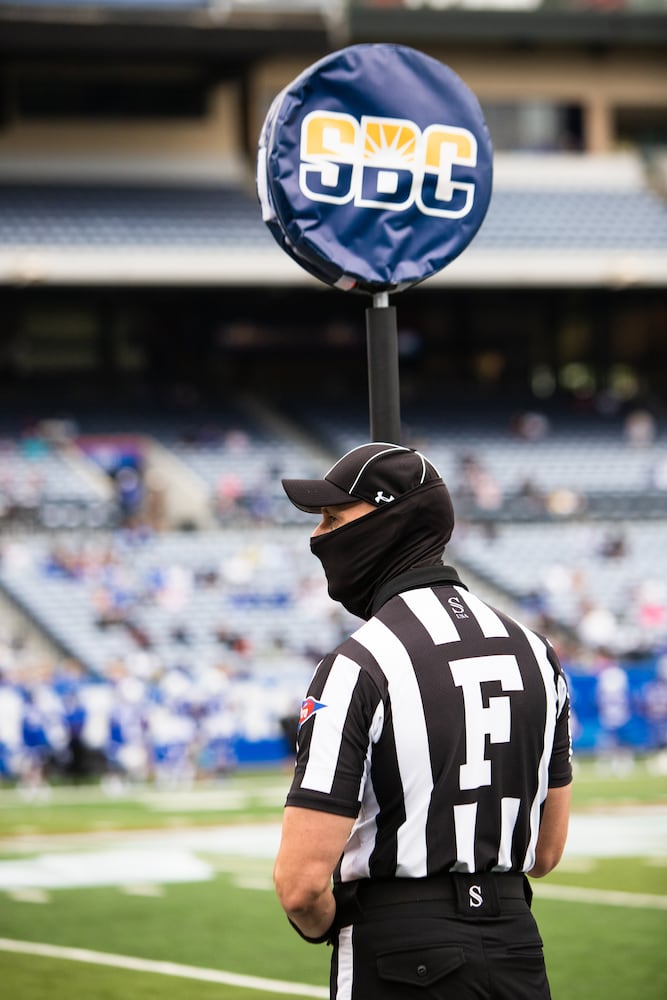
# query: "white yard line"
(605, 897)
(163, 968)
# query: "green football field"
(167, 894)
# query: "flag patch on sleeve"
(308, 708)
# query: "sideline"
(164, 968)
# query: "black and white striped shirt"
(439, 724)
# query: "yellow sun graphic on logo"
(389, 144)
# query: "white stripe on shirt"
(491, 625)
(540, 651)
(328, 725)
(412, 746)
(428, 609)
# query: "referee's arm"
(553, 830)
(310, 848)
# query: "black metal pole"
(383, 382)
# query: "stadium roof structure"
(248, 27)
(554, 221)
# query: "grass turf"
(592, 950)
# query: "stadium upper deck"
(554, 220)
(131, 126)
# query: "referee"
(433, 763)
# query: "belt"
(474, 895)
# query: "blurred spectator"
(12, 746)
(651, 601)
(129, 491)
(565, 503)
(530, 426)
(530, 498)
(477, 483)
(229, 495)
(639, 428)
(658, 473)
(614, 713)
(598, 628)
(654, 702)
(614, 544)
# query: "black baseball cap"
(378, 473)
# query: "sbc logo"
(386, 163)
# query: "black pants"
(435, 948)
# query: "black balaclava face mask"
(361, 556)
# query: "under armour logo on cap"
(378, 473)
